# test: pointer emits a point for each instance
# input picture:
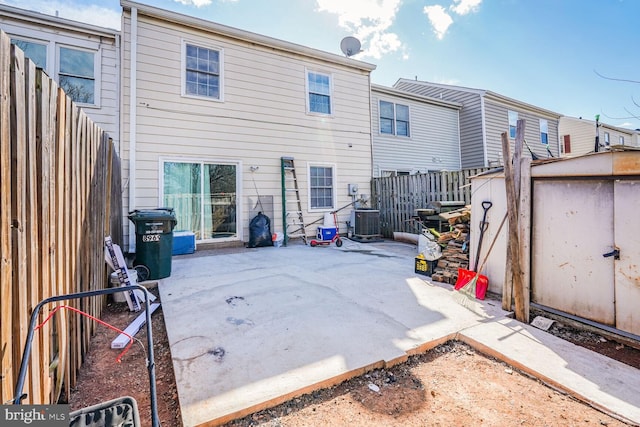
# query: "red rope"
(119, 358)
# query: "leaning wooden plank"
(6, 290)
(122, 340)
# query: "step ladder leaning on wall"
(292, 219)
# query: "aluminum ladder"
(292, 220)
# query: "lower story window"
(203, 196)
(321, 187)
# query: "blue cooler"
(184, 242)
(326, 233)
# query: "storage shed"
(582, 248)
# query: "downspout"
(133, 100)
(459, 143)
(484, 132)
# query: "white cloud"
(465, 6)
(369, 21)
(196, 3)
(439, 18)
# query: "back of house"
(485, 115)
(210, 110)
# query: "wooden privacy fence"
(59, 196)
(398, 197)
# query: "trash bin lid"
(152, 214)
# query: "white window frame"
(97, 67)
(237, 163)
(183, 70)
(306, 92)
(621, 140)
(395, 119)
(334, 187)
(544, 130)
(607, 139)
(513, 123)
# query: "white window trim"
(306, 92)
(183, 67)
(334, 200)
(97, 71)
(395, 120)
(238, 163)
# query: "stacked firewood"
(455, 243)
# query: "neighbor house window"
(621, 140)
(566, 139)
(544, 131)
(202, 71)
(36, 52)
(513, 123)
(76, 74)
(394, 119)
(321, 185)
(319, 92)
(606, 138)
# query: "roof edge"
(420, 98)
(67, 24)
(243, 35)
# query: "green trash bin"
(154, 242)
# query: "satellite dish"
(350, 46)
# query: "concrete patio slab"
(256, 327)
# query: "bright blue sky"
(543, 52)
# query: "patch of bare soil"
(102, 378)
(449, 385)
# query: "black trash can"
(154, 242)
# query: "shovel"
(471, 282)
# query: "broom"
(466, 295)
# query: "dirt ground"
(450, 385)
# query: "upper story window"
(394, 119)
(321, 187)
(621, 140)
(606, 138)
(202, 72)
(76, 74)
(544, 131)
(36, 52)
(319, 92)
(513, 123)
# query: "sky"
(579, 58)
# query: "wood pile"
(455, 246)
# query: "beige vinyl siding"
(433, 144)
(583, 135)
(497, 122)
(261, 118)
(471, 138)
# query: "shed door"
(572, 228)
(627, 273)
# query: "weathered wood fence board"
(398, 197)
(60, 195)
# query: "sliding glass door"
(203, 196)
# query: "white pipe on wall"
(133, 100)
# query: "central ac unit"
(366, 222)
